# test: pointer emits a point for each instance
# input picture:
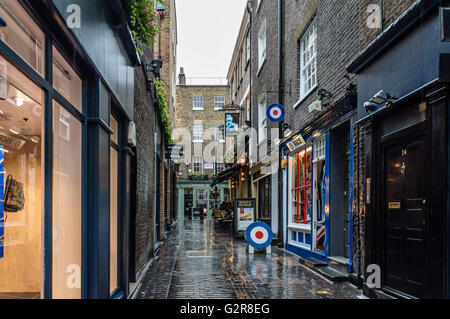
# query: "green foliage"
(164, 110)
(144, 21)
(196, 176)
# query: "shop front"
(404, 163)
(56, 145)
(317, 186)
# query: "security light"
(379, 98)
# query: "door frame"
(409, 133)
(404, 135)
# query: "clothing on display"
(14, 196)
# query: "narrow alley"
(200, 261)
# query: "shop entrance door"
(340, 207)
(405, 209)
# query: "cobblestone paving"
(200, 262)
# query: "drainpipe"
(359, 281)
(280, 125)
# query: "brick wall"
(145, 146)
(264, 79)
(391, 10)
(209, 117)
(337, 44)
(168, 55)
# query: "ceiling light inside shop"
(13, 131)
(18, 100)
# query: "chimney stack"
(182, 77)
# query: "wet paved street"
(201, 262)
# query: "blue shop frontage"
(318, 186)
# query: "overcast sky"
(207, 33)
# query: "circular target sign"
(275, 112)
(259, 235)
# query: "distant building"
(200, 124)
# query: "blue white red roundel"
(259, 235)
(275, 112)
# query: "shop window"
(66, 213)
(114, 170)
(21, 184)
(264, 197)
(23, 35)
(66, 81)
(300, 211)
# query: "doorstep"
(333, 270)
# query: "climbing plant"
(164, 110)
(144, 21)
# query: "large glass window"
(198, 103)
(21, 184)
(319, 194)
(262, 44)
(262, 118)
(114, 182)
(301, 191)
(198, 132)
(22, 34)
(67, 174)
(66, 81)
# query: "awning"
(226, 175)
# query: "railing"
(205, 81)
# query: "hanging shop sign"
(244, 212)
(9, 141)
(259, 235)
(275, 113)
(296, 142)
(231, 124)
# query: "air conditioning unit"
(316, 106)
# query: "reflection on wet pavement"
(201, 262)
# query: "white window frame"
(262, 118)
(308, 82)
(218, 102)
(262, 44)
(248, 45)
(197, 103)
(258, 4)
(319, 149)
(196, 135)
(219, 134)
(197, 161)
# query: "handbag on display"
(14, 196)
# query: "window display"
(66, 213)
(21, 184)
(301, 191)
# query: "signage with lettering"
(296, 142)
(244, 212)
(10, 141)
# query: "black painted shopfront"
(404, 155)
(65, 106)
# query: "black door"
(405, 210)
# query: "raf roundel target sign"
(259, 235)
(275, 112)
